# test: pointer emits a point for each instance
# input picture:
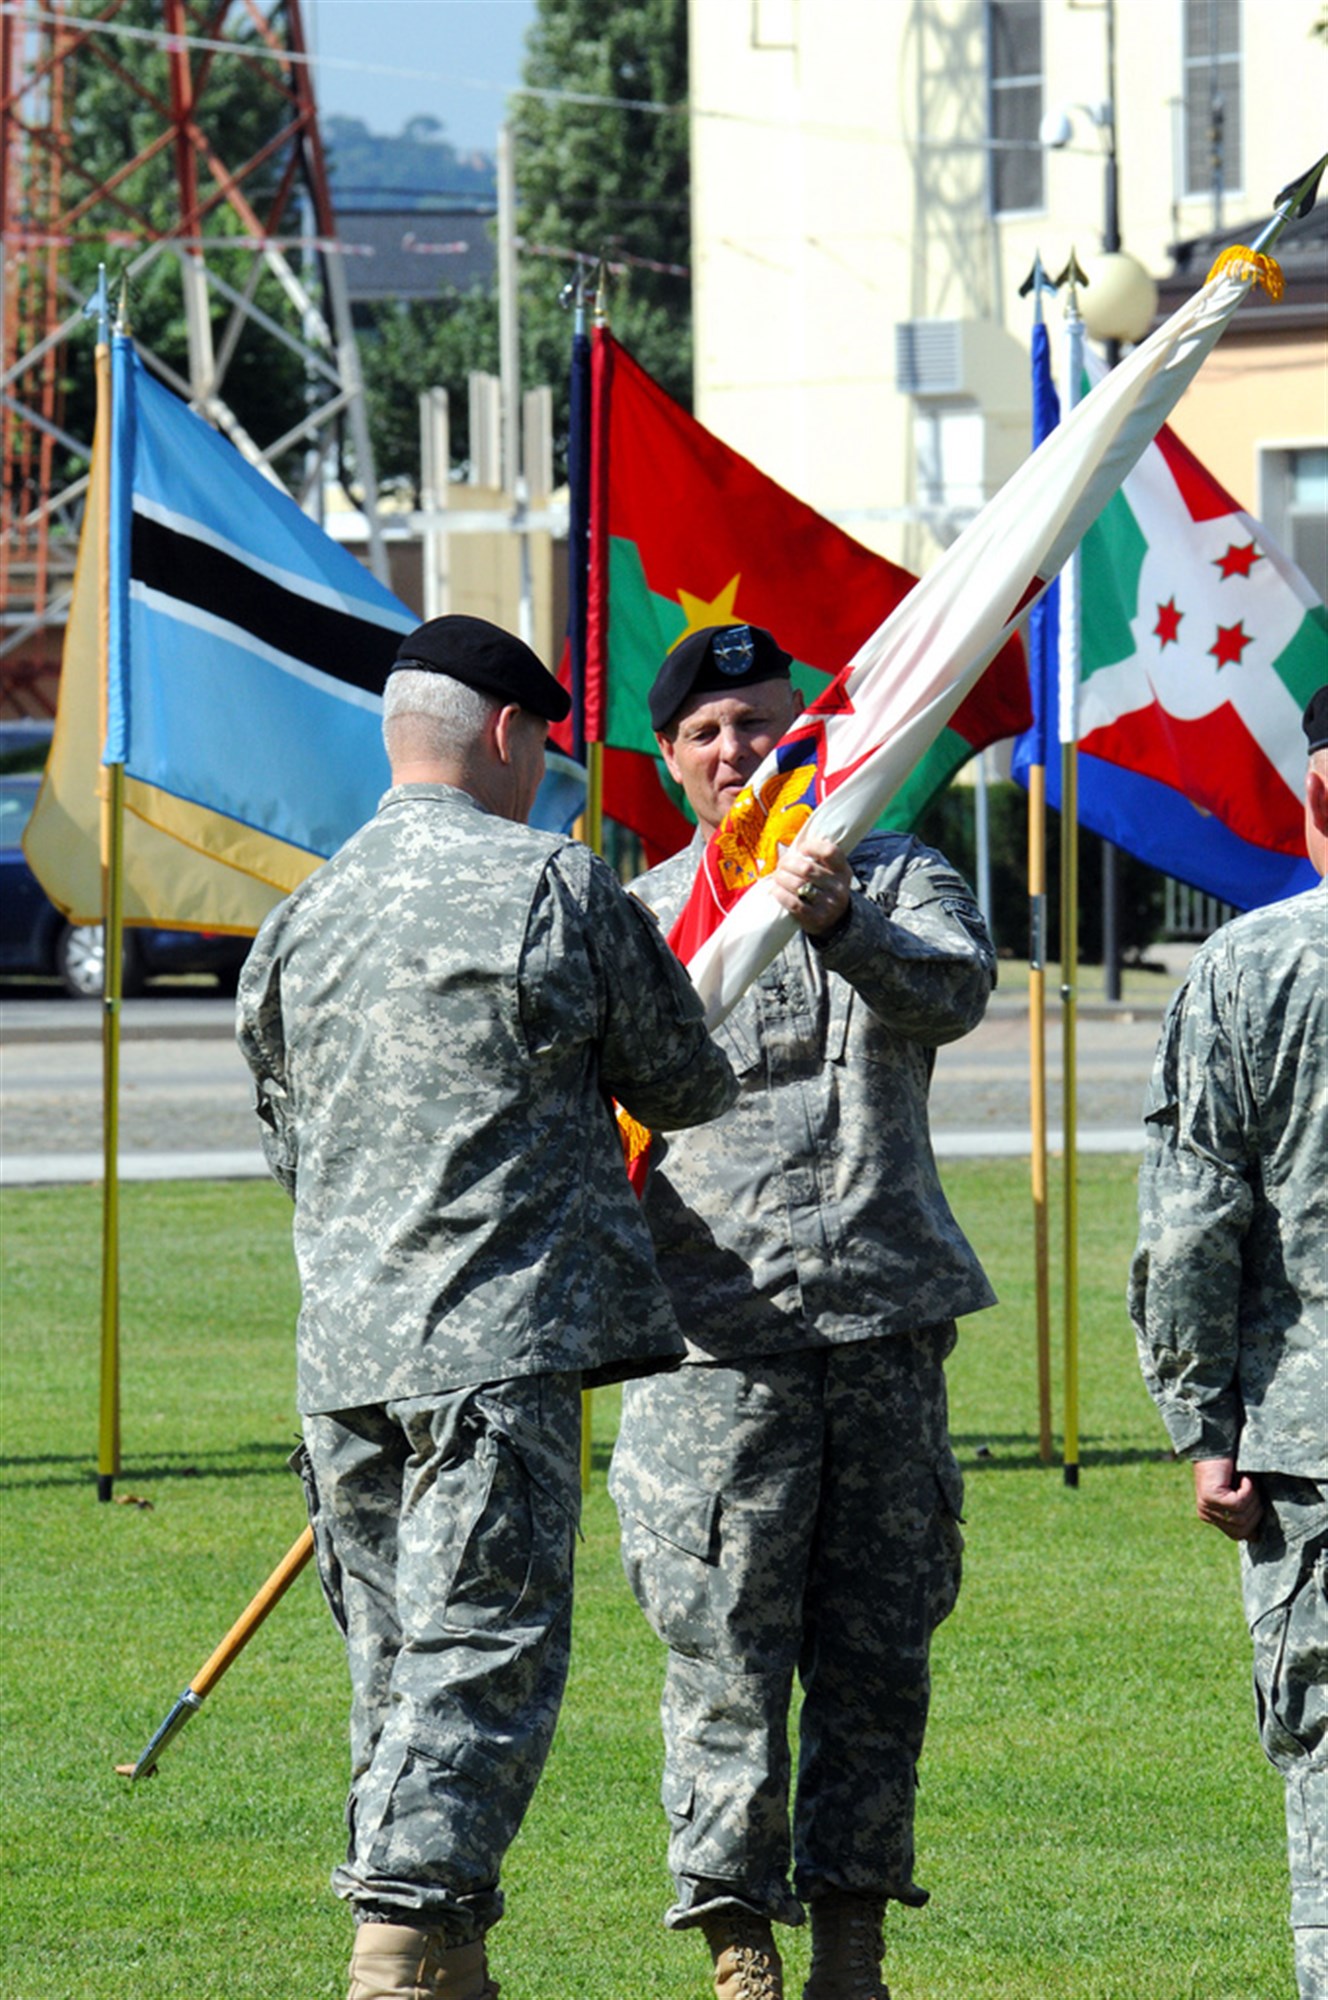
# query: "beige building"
(872, 178)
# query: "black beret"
(718, 656)
(1315, 720)
(483, 656)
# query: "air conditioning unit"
(929, 358)
(958, 360)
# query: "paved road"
(185, 1103)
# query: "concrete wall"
(839, 184)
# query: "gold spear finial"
(1297, 198)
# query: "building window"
(1211, 93)
(1293, 502)
(1014, 83)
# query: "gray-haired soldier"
(1229, 1298)
(789, 1500)
(436, 1021)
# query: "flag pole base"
(1071, 1475)
(145, 1767)
(105, 1485)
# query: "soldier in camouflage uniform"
(1229, 1297)
(435, 1021)
(789, 1501)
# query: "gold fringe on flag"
(1244, 263)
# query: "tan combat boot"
(397, 1962)
(847, 1948)
(746, 1957)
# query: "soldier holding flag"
(789, 1500)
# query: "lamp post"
(1118, 304)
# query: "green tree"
(592, 178)
(949, 824)
(409, 345)
(119, 105)
(608, 179)
(418, 167)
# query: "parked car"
(36, 938)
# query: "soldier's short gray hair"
(459, 714)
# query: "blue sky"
(387, 61)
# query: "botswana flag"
(247, 649)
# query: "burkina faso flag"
(1201, 644)
(684, 533)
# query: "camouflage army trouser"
(1284, 1574)
(445, 1528)
(798, 1514)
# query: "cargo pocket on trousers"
(407, 1815)
(670, 1552)
(510, 1547)
(1286, 1626)
(325, 1560)
(950, 1540)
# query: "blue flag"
(247, 649)
(1044, 619)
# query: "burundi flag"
(1201, 644)
(247, 649)
(685, 532)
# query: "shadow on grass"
(989, 1451)
(243, 1461)
(1017, 1451)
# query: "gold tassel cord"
(1244, 263)
(633, 1136)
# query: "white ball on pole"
(1119, 301)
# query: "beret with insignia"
(717, 658)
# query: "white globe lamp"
(1119, 301)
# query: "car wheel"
(80, 962)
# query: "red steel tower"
(177, 142)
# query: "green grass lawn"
(1096, 1818)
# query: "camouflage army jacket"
(812, 1213)
(1229, 1284)
(435, 1021)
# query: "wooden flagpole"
(1037, 1064)
(595, 748)
(112, 903)
(1069, 912)
(591, 825)
(1037, 282)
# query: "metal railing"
(1188, 913)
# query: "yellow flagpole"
(1037, 282)
(592, 832)
(592, 821)
(1069, 735)
(1069, 1093)
(1037, 1063)
(112, 859)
